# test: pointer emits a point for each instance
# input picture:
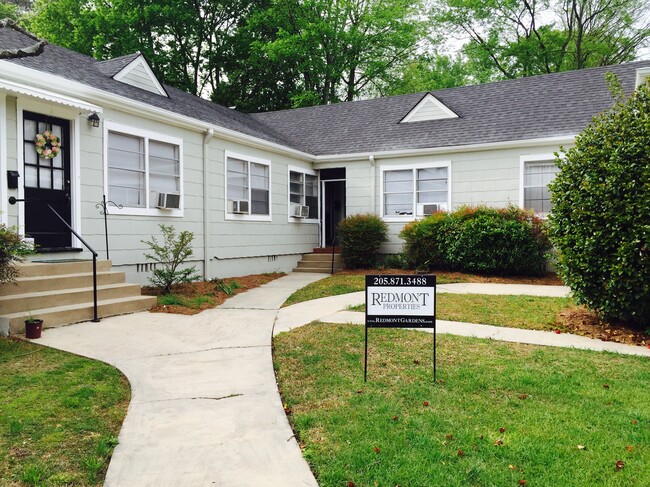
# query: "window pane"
(126, 187)
(260, 202)
(125, 151)
(537, 176)
(432, 173)
(163, 158)
(311, 185)
(30, 154)
(432, 197)
(30, 130)
(45, 178)
(259, 176)
(237, 179)
(31, 177)
(58, 178)
(398, 192)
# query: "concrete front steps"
(61, 293)
(320, 261)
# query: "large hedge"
(505, 241)
(361, 237)
(600, 221)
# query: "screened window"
(303, 191)
(140, 168)
(537, 176)
(406, 191)
(249, 186)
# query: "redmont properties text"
(398, 300)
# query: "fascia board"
(511, 144)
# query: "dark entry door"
(334, 209)
(46, 180)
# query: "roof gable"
(138, 73)
(429, 108)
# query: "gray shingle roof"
(84, 69)
(111, 67)
(559, 104)
(542, 106)
(15, 42)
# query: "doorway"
(333, 210)
(46, 179)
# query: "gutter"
(206, 211)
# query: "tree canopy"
(274, 54)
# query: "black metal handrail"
(13, 201)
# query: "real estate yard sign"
(400, 301)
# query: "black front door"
(46, 179)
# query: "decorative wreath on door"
(48, 145)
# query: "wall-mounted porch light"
(93, 118)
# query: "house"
(259, 191)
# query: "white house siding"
(126, 231)
(245, 247)
(487, 177)
(9, 139)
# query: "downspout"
(206, 200)
(373, 189)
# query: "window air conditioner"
(169, 201)
(430, 208)
(301, 211)
(239, 206)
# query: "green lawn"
(60, 416)
(529, 312)
(502, 414)
(339, 284)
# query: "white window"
(303, 192)
(141, 166)
(248, 188)
(536, 176)
(409, 192)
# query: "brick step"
(46, 299)
(53, 267)
(58, 282)
(327, 250)
(74, 313)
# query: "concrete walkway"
(205, 408)
(325, 310)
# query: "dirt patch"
(579, 321)
(546, 280)
(207, 294)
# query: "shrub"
(507, 241)
(361, 237)
(170, 254)
(600, 221)
(12, 250)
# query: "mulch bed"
(209, 289)
(579, 321)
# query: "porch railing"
(13, 201)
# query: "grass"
(60, 415)
(339, 284)
(528, 312)
(504, 413)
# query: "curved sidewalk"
(205, 408)
(325, 310)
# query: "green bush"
(506, 241)
(12, 250)
(170, 254)
(600, 221)
(361, 237)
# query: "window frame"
(147, 135)
(414, 168)
(303, 171)
(531, 159)
(250, 216)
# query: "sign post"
(400, 301)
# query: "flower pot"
(33, 328)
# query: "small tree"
(361, 237)
(170, 254)
(600, 222)
(12, 250)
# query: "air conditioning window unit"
(300, 211)
(239, 206)
(169, 201)
(426, 209)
